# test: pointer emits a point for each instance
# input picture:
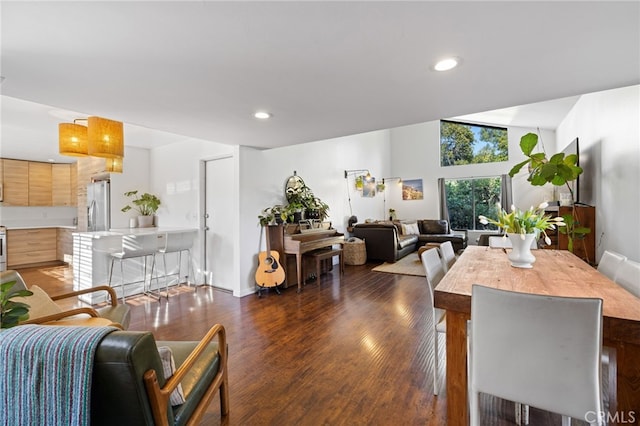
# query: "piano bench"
(320, 256)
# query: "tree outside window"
(469, 198)
(462, 143)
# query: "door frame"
(202, 210)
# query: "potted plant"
(559, 170)
(146, 205)
(317, 209)
(11, 313)
(522, 228)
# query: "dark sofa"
(438, 231)
(386, 241)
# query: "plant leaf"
(528, 142)
(515, 169)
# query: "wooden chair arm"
(54, 317)
(110, 290)
(159, 397)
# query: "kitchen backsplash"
(15, 217)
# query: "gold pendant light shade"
(72, 139)
(106, 138)
(113, 165)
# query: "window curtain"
(506, 193)
(442, 194)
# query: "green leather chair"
(129, 386)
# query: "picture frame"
(412, 189)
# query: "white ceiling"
(323, 69)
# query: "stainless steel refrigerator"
(98, 206)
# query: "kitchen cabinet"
(15, 175)
(61, 185)
(31, 246)
(39, 184)
(64, 245)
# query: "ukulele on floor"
(269, 272)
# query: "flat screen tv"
(572, 148)
(583, 186)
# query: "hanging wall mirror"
(294, 188)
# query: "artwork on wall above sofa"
(369, 187)
(412, 189)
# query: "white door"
(218, 235)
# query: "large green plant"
(558, 170)
(145, 204)
(11, 313)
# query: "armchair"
(119, 314)
(129, 386)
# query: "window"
(468, 198)
(462, 143)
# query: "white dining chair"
(447, 254)
(609, 263)
(434, 270)
(543, 351)
(628, 276)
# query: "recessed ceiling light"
(446, 64)
(262, 115)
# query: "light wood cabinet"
(16, 182)
(31, 246)
(61, 185)
(39, 184)
(64, 245)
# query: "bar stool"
(132, 248)
(177, 243)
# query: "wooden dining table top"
(555, 272)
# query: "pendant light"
(106, 138)
(72, 139)
(113, 165)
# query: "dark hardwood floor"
(355, 351)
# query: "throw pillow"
(410, 229)
(168, 368)
(40, 304)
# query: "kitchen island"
(92, 260)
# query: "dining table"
(554, 273)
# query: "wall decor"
(412, 189)
(369, 188)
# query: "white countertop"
(42, 227)
(118, 232)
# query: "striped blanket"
(46, 374)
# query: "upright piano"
(297, 244)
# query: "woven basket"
(355, 252)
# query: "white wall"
(321, 165)
(608, 127)
(175, 179)
(415, 154)
(135, 176)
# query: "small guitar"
(269, 273)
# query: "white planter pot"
(520, 255)
(145, 221)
